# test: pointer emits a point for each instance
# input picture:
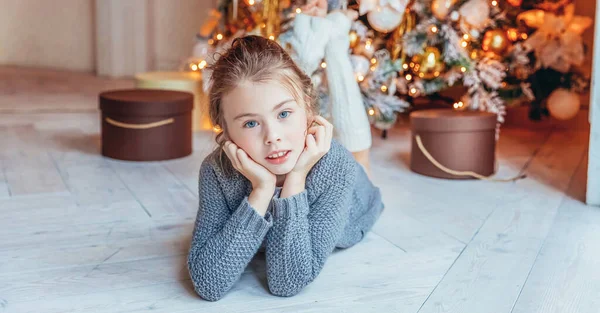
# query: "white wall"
(175, 28)
(61, 33)
(54, 34)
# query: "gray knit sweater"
(338, 206)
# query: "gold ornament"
(563, 104)
(515, 3)
(512, 34)
(495, 41)
(429, 64)
(271, 19)
(394, 44)
(354, 40)
(441, 8)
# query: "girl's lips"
(279, 160)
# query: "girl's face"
(265, 121)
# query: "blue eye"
(284, 114)
(251, 124)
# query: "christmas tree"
(498, 52)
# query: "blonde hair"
(258, 60)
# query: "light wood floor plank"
(91, 244)
(157, 189)
(493, 268)
(372, 268)
(565, 277)
(27, 166)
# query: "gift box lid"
(449, 120)
(146, 102)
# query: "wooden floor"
(83, 233)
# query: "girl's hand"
(257, 174)
(318, 143)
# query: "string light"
(413, 91)
(494, 3)
(323, 64)
(371, 112)
(272, 37)
(219, 36)
(405, 66)
(194, 67)
(408, 77)
(463, 69)
(466, 36)
(202, 64)
(360, 78)
(373, 60)
(512, 34)
(434, 29)
(464, 44)
(298, 10)
(436, 74)
(384, 88)
(523, 36)
(251, 2)
(458, 105)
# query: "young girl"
(278, 179)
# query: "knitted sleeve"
(348, 114)
(302, 238)
(223, 242)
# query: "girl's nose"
(272, 135)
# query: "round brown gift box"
(458, 140)
(146, 124)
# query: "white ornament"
(360, 65)
(476, 13)
(454, 16)
(371, 5)
(475, 33)
(563, 104)
(384, 19)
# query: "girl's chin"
(280, 170)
